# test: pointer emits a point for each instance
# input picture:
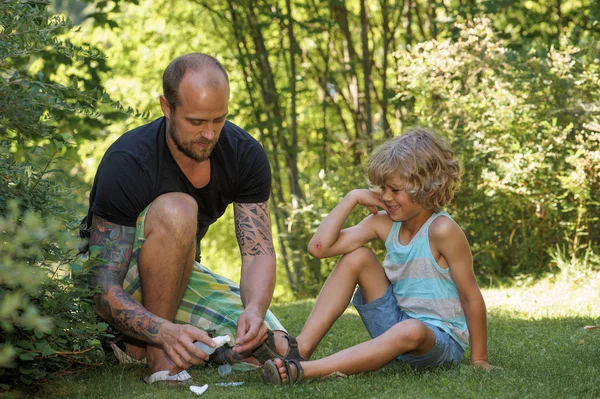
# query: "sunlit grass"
(536, 334)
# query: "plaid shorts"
(210, 302)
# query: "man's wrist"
(255, 308)
(164, 328)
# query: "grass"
(536, 335)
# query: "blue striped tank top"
(422, 288)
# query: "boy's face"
(400, 204)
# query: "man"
(157, 190)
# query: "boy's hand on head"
(484, 364)
(369, 199)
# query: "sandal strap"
(288, 369)
(266, 351)
(292, 351)
(271, 339)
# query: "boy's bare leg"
(360, 267)
(409, 336)
(165, 265)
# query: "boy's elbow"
(315, 250)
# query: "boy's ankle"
(282, 345)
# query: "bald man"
(157, 190)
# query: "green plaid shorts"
(210, 302)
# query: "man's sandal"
(271, 374)
(181, 378)
(267, 350)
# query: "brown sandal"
(266, 350)
(271, 375)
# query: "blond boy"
(423, 305)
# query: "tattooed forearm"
(253, 229)
(131, 318)
(112, 245)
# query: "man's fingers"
(176, 358)
(251, 342)
(194, 356)
(193, 335)
(198, 353)
(197, 334)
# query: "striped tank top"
(422, 288)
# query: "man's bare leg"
(165, 265)
(409, 336)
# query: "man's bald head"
(195, 62)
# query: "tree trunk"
(366, 64)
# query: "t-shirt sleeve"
(123, 189)
(254, 180)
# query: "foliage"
(46, 325)
(516, 97)
(527, 130)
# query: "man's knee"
(177, 212)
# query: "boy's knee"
(359, 256)
(411, 332)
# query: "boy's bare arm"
(449, 239)
(331, 240)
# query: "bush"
(527, 127)
(47, 326)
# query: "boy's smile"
(400, 205)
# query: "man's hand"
(178, 340)
(251, 331)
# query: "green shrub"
(46, 323)
(527, 127)
(47, 326)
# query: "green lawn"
(536, 335)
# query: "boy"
(422, 305)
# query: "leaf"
(58, 144)
(27, 355)
(591, 327)
(581, 341)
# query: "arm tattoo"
(113, 245)
(253, 229)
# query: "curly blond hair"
(423, 161)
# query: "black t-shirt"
(138, 167)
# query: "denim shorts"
(383, 313)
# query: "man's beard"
(186, 147)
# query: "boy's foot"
(281, 371)
(278, 345)
(226, 355)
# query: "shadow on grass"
(539, 358)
